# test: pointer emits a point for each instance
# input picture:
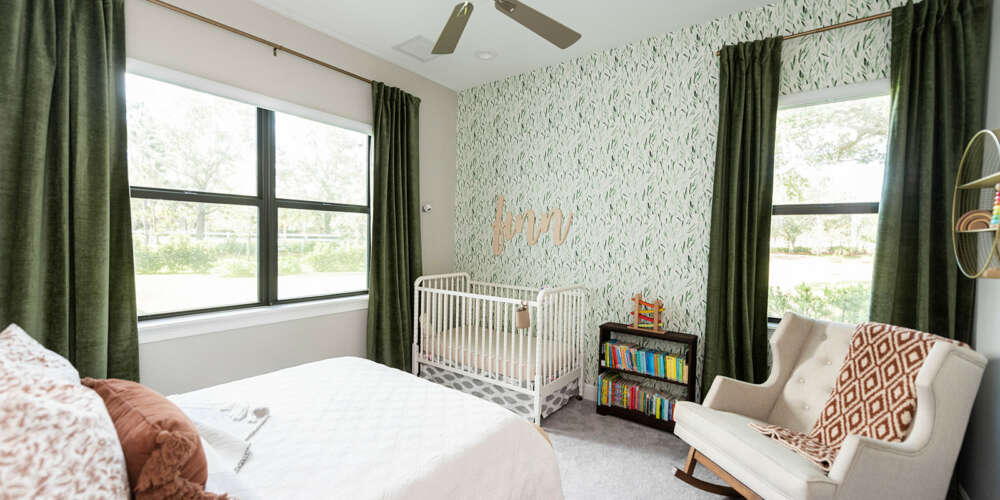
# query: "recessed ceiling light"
(486, 55)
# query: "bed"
(351, 428)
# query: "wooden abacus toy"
(647, 315)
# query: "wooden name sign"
(506, 226)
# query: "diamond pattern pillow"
(874, 396)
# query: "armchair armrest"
(921, 465)
(735, 396)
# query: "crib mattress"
(471, 349)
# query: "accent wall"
(625, 140)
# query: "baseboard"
(590, 392)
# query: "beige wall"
(164, 38)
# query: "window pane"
(821, 266)
(193, 255)
(831, 153)
(321, 253)
(319, 162)
(184, 139)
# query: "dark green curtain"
(395, 251)
(736, 309)
(938, 82)
(65, 233)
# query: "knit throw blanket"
(874, 397)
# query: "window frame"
(265, 199)
(819, 97)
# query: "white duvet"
(351, 428)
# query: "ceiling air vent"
(418, 48)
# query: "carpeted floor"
(608, 458)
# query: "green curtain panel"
(736, 308)
(938, 83)
(65, 233)
(395, 250)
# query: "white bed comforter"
(351, 428)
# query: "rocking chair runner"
(807, 356)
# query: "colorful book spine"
(616, 391)
(631, 357)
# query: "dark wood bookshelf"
(691, 359)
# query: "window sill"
(159, 330)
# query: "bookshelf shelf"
(640, 374)
(607, 329)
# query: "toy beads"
(995, 221)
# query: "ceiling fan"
(544, 26)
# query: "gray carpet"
(608, 458)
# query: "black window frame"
(846, 208)
(843, 208)
(267, 204)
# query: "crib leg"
(538, 409)
(414, 361)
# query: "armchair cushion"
(874, 395)
(770, 470)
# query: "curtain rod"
(833, 27)
(275, 47)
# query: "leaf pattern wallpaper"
(625, 139)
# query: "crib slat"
(554, 323)
(479, 336)
(441, 332)
(562, 336)
(520, 355)
(438, 321)
(422, 318)
(459, 317)
(452, 324)
(468, 332)
(493, 329)
(429, 321)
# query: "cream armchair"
(806, 359)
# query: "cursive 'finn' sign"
(506, 226)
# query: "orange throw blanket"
(874, 397)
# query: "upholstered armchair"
(806, 359)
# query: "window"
(829, 161)
(235, 205)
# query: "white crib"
(470, 328)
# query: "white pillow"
(57, 438)
(21, 352)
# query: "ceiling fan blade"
(544, 26)
(452, 31)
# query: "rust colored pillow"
(163, 452)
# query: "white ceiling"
(377, 26)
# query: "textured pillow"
(56, 439)
(162, 449)
(18, 348)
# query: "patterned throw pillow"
(56, 438)
(18, 348)
(875, 394)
